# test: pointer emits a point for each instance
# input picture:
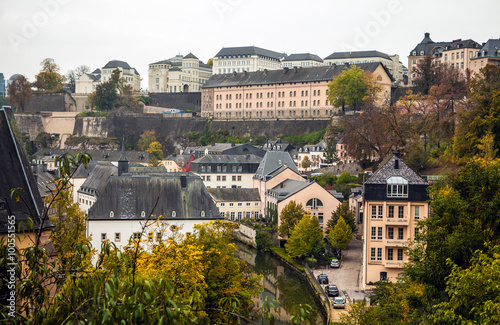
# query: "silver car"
(339, 302)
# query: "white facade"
(218, 180)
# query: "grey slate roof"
(98, 178)
(249, 50)
(117, 64)
(272, 162)
(16, 173)
(94, 77)
(190, 56)
(357, 54)
(491, 49)
(128, 195)
(303, 57)
(162, 62)
(98, 155)
(288, 188)
(97, 71)
(321, 73)
(234, 194)
(387, 169)
(241, 159)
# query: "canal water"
(280, 283)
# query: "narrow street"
(348, 277)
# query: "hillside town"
(375, 181)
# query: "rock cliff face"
(54, 102)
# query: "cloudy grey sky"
(93, 32)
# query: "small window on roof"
(111, 214)
(143, 214)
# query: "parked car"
(335, 263)
(323, 279)
(331, 290)
(338, 302)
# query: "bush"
(263, 239)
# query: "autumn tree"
(351, 88)
(340, 235)
(20, 93)
(290, 215)
(145, 140)
(344, 212)
(306, 238)
(210, 62)
(306, 162)
(156, 150)
(49, 79)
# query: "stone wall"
(54, 102)
(183, 101)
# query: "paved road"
(348, 277)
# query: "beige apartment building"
(87, 82)
(457, 53)
(246, 58)
(278, 94)
(391, 62)
(488, 54)
(178, 74)
(237, 203)
(395, 199)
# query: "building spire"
(122, 156)
(122, 161)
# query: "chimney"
(286, 69)
(427, 34)
(232, 144)
(396, 153)
(212, 143)
(295, 69)
(183, 182)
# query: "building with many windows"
(457, 53)
(237, 203)
(488, 54)
(178, 74)
(226, 171)
(246, 58)
(304, 60)
(395, 199)
(87, 82)
(285, 93)
(390, 62)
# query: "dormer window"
(397, 186)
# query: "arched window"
(314, 204)
(397, 186)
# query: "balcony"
(397, 221)
(393, 264)
(394, 242)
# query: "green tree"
(155, 148)
(340, 235)
(306, 238)
(331, 152)
(306, 162)
(106, 94)
(145, 140)
(49, 78)
(20, 93)
(351, 88)
(290, 215)
(344, 212)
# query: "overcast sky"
(93, 32)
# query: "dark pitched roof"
(303, 57)
(84, 172)
(321, 73)
(490, 49)
(234, 194)
(288, 188)
(190, 56)
(357, 54)
(45, 182)
(272, 161)
(117, 64)
(98, 179)
(162, 62)
(129, 195)
(93, 77)
(16, 173)
(239, 159)
(428, 46)
(97, 71)
(388, 169)
(249, 50)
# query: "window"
(390, 232)
(391, 212)
(136, 236)
(372, 254)
(374, 233)
(232, 215)
(256, 214)
(379, 254)
(400, 233)
(240, 214)
(239, 178)
(158, 236)
(234, 178)
(400, 254)
(390, 254)
(104, 236)
(320, 218)
(231, 204)
(222, 204)
(223, 178)
(208, 178)
(379, 233)
(397, 186)
(416, 231)
(218, 178)
(223, 214)
(248, 214)
(374, 211)
(240, 204)
(401, 212)
(417, 212)
(380, 211)
(314, 204)
(383, 276)
(117, 236)
(248, 204)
